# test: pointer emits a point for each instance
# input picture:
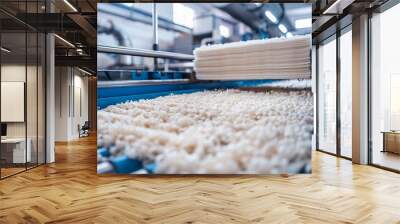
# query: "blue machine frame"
(114, 94)
(110, 95)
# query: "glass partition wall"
(385, 89)
(345, 61)
(327, 95)
(334, 90)
(334, 104)
(22, 78)
(13, 85)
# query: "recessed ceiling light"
(271, 16)
(65, 41)
(70, 5)
(337, 7)
(5, 50)
(86, 72)
(282, 28)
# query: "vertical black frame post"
(0, 92)
(44, 79)
(317, 97)
(369, 78)
(338, 76)
(26, 86)
(155, 32)
(37, 90)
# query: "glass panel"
(32, 88)
(31, 98)
(346, 94)
(385, 89)
(23, 85)
(13, 87)
(327, 96)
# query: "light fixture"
(289, 34)
(79, 51)
(271, 16)
(303, 23)
(65, 41)
(128, 4)
(70, 5)
(84, 71)
(183, 15)
(282, 28)
(337, 7)
(257, 4)
(224, 31)
(5, 50)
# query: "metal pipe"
(155, 24)
(144, 52)
(17, 19)
(338, 97)
(123, 40)
(155, 33)
(124, 83)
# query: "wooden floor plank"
(70, 191)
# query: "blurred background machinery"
(182, 27)
(146, 50)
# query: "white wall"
(62, 82)
(81, 103)
(12, 73)
(70, 83)
(13, 101)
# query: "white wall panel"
(12, 101)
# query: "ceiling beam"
(79, 61)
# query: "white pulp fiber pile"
(213, 132)
(278, 58)
(289, 84)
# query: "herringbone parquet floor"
(70, 191)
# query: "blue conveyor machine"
(114, 92)
(149, 85)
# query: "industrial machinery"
(138, 84)
(116, 86)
